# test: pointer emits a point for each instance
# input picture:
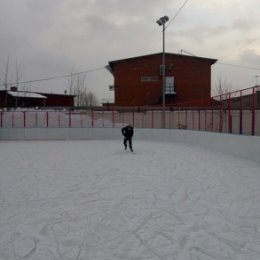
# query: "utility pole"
(161, 22)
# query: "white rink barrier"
(247, 147)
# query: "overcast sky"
(55, 37)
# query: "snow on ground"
(93, 200)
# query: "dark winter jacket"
(128, 131)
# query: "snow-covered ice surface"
(93, 200)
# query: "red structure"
(14, 98)
(138, 80)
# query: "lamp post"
(161, 22)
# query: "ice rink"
(80, 200)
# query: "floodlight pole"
(161, 22)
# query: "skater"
(128, 132)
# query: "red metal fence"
(236, 112)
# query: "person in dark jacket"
(128, 132)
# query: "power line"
(238, 66)
(171, 20)
(222, 63)
(232, 65)
(241, 47)
(54, 77)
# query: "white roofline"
(24, 94)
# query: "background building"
(13, 98)
(138, 80)
(247, 101)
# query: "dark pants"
(129, 140)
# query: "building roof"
(24, 94)
(212, 61)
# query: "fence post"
(133, 117)
(193, 121)
(59, 119)
(253, 112)
(152, 118)
(81, 120)
(212, 119)
(205, 111)
(220, 114)
(103, 124)
(123, 116)
(170, 119)
(12, 119)
(113, 117)
(178, 117)
(24, 119)
(47, 119)
(92, 118)
(70, 119)
(199, 118)
(229, 114)
(142, 119)
(240, 114)
(186, 117)
(1, 119)
(36, 119)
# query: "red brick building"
(138, 80)
(14, 98)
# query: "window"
(169, 85)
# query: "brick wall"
(192, 79)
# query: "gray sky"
(55, 37)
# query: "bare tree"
(89, 99)
(71, 82)
(222, 88)
(6, 78)
(6, 73)
(222, 91)
(77, 86)
(17, 73)
(92, 99)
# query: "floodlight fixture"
(161, 21)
